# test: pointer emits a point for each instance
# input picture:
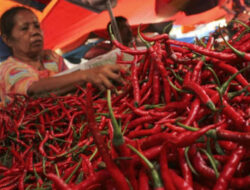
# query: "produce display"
(181, 121)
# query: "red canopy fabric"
(66, 25)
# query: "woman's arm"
(102, 77)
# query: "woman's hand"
(103, 76)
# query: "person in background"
(106, 46)
(31, 69)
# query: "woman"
(30, 69)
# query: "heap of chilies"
(181, 122)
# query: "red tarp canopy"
(67, 25)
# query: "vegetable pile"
(182, 121)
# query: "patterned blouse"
(16, 77)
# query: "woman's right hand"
(103, 77)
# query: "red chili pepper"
(243, 168)
(156, 86)
(143, 64)
(229, 169)
(234, 115)
(175, 56)
(10, 187)
(244, 55)
(150, 153)
(117, 99)
(141, 120)
(198, 186)
(229, 68)
(235, 136)
(41, 145)
(99, 177)
(241, 99)
(193, 112)
(17, 155)
(135, 82)
(56, 150)
(244, 47)
(180, 49)
(240, 183)
(152, 140)
(21, 180)
(156, 55)
(178, 105)
(211, 53)
(228, 145)
(200, 164)
(127, 49)
(73, 173)
(98, 138)
(179, 182)
(21, 117)
(9, 181)
(159, 37)
(146, 97)
(132, 173)
(143, 180)
(67, 173)
(144, 132)
(89, 170)
(157, 184)
(150, 79)
(186, 172)
(174, 127)
(58, 182)
(238, 33)
(196, 75)
(69, 127)
(201, 93)
(19, 141)
(229, 111)
(165, 173)
(3, 168)
(189, 137)
(146, 67)
(142, 112)
(117, 138)
(168, 118)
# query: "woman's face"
(26, 37)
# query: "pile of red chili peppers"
(181, 122)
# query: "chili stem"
(212, 161)
(117, 137)
(189, 162)
(74, 171)
(224, 86)
(155, 176)
(237, 52)
(240, 22)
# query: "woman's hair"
(7, 20)
(119, 20)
